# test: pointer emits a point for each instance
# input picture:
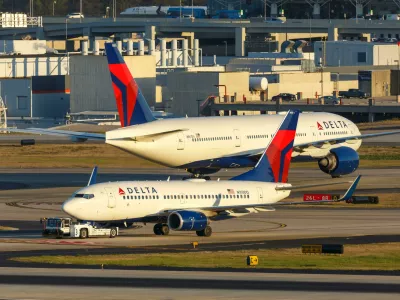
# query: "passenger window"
(123, 197)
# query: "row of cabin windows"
(335, 132)
(217, 138)
(259, 136)
(301, 134)
(185, 197)
(140, 197)
(206, 196)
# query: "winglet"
(93, 177)
(351, 189)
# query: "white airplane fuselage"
(135, 200)
(227, 142)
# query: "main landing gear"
(205, 232)
(161, 229)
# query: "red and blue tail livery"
(132, 106)
(273, 165)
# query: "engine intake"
(187, 220)
(341, 161)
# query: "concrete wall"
(16, 94)
(91, 87)
(185, 88)
(308, 83)
(347, 53)
(19, 95)
(386, 55)
(33, 66)
(395, 82)
(52, 105)
(380, 83)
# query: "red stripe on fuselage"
(274, 151)
(121, 71)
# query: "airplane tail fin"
(93, 177)
(132, 106)
(273, 165)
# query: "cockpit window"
(85, 196)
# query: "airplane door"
(260, 195)
(236, 136)
(182, 197)
(314, 134)
(181, 141)
(111, 197)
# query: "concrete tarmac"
(25, 283)
(27, 195)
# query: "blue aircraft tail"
(273, 165)
(132, 106)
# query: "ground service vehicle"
(61, 227)
(353, 93)
(84, 231)
(56, 226)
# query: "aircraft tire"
(164, 229)
(205, 232)
(113, 232)
(84, 233)
(157, 229)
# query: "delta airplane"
(190, 205)
(205, 145)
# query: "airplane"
(205, 145)
(190, 205)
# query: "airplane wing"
(79, 136)
(217, 208)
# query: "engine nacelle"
(340, 161)
(187, 220)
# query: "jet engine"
(187, 220)
(340, 161)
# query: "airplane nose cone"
(69, 208)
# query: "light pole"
(54, 2)
(226, 48)
(114, 10)
(107, 12)
(80, 11)
(398, 72)
(265, 10)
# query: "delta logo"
(121, 191)
(331, 125)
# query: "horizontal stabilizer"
(67, 133)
